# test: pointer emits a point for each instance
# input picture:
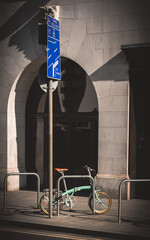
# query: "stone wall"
(92, 32)
(18, 48)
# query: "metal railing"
(119, 197)
(22, 174)
(75, 176)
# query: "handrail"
(119, 197)
(75, 176)
(14, 174)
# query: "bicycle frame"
(72, 191)
(75, 189)
(64, 181)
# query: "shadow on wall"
(22, 26)
(115, 69)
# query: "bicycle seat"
(61, 169)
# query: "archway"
(16, 123)
(75, 124)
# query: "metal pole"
(50, 142)
(5, 189)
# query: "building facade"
(100, 103)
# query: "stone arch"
(16, 119)
(16, 122)
(82, 110)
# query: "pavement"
(22, 211)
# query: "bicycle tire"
(102, 202)
(44, 203)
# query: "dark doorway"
(75, 132)
(139, 74)
(140, 106)
(75, 143)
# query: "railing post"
(93, 189)
(119, 196)
(20, 174)
(58, 189)
(119, 202)
(38, 191)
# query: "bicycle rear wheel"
(44, 203)
(102, 202)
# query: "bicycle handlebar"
(91, 169)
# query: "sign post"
(50, 146)
(54, 73)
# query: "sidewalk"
(22, 211)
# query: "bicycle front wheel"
(44, 203)
(102, 202)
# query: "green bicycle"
(102, 199)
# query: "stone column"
(113, 135)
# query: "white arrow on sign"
(54, 66)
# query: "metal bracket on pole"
(21, 174)
(75, 176)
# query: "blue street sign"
(52, 32)
(53, 52)
(53, 22)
